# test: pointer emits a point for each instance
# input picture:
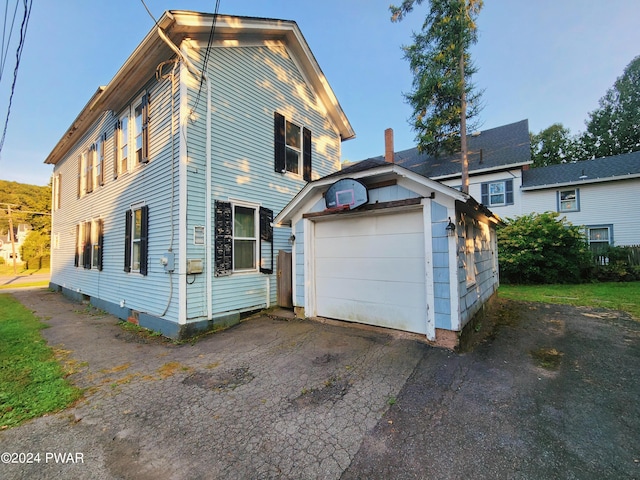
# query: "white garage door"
(371, 270)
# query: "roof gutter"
(581, 182)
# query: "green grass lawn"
(616, 296)
(32, 382)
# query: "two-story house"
(166, 183)
(590, 193)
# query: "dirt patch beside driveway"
(551, 393)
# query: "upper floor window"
(56, 184)
(292, 147)
(495, 194)
(122, 142)
(569, 200)
(140, 130)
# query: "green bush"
(618, 267)
(542, 248)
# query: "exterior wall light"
(451, 228)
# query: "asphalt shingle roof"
(490, 149)
(585, 171)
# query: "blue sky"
(547, 61)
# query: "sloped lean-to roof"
(503, 147)
(180, 25)
(618, 167)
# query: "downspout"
(194, 71)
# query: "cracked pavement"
(272, 398)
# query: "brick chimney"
(388, 145)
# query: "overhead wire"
(23, 35)
(4, 50)
(207, 53)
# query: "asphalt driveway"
(551, 393)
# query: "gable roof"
(618, 167)
(498, 148)
(179, 25)
(376, 170)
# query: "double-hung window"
(599, 237)
(123, 143)
(569, 200)
(132, 136)
(136, 238)
(244, 238)
(292, 147)
(496, 194)
(89, 241)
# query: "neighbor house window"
(569, 200)
(244, 238)
(292, 147)
(599, 237)
(496, 194)
(136, 238)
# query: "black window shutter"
(100, 242)
(223, 239)
(306, 154)
(279, 142)
(116, 148)
(127, 240)
(484, 191)
(145, 128)
(266, 236)
(508, 188)
(76, 261)
(144, 239)
(86, 248)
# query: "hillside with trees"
(27, 204)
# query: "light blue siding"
(148, 184)
(249, 84)
(390, 193)
(441, 282)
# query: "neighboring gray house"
(166, 184)
(594, 193)
(602, 195)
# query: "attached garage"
(412, 255)
(370, 269)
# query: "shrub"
(542, 248)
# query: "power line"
(5, 51)
(23, 35)
(207, 53)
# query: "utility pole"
(12, 238)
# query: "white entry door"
(371, 269)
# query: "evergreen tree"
(443, 97)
